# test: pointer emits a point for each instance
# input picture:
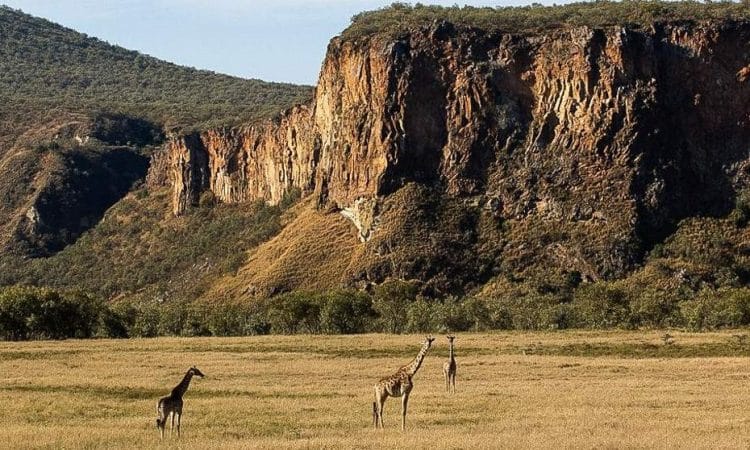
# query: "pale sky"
(274, 40)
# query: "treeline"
(393, 307)
(516, 19)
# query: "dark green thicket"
(402, 16)
(34, 313)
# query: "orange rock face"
(630, 129)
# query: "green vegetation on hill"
(402, 16)
(79, 121)
(140, 250)
(46, 69)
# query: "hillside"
(586, 169)
(44, 66)
(81, 118)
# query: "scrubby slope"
(46, 66)
(81, 119)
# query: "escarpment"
(589, 144)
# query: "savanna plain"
(617, 389)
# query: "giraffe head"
(194, 370)
(428, 341)
(451, 338)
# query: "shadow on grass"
(29, 355)
(142, 393)
(581, 349)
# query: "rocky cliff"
(583, 146)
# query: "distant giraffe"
(398, 385)
(449, 369)
(172, 404)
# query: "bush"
(480, 316)
(112, 325)
(654, 308)
(741, 213)
(600, 305)
(451, 315)
(346, 312)
(35, 313)
(391, 302)
(419, 317)
(401, 16)
(295, 312)
(146, 324)
(173, 318)
(530, 311)
(716, 309)
(228, 319)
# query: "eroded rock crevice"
(617, 131)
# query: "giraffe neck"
(181, 388)
(450, 354)
(412, 368)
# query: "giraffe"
(172, 404)
(398, 385)
(449, 369)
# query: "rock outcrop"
(611, 135)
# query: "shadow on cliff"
(75, 196)
(696, 137)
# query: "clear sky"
(274, 40)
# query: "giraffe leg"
(447, 380)
(377, 406)
(171, 427)
(179, 416)
(381, 405)
(404, 403)
(453, 381)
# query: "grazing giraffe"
(172, 404)
(449, 369)
(398, 385)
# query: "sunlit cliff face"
(615, 133)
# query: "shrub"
(36, 313)
(228, 319)
(716, 309)
(295, 312)
(531, 311)
(451, 315)
(401, 16)
(391, 301)
(741, 213)
(146, 322)
(346, 312)
(112, 325)
(600, 305)
(654, 308)
(479, 315)
(419, 317)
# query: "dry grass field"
(541, 390)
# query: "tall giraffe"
(172, 404)
(449, 369)
(398, 385)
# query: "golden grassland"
(514, 390)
